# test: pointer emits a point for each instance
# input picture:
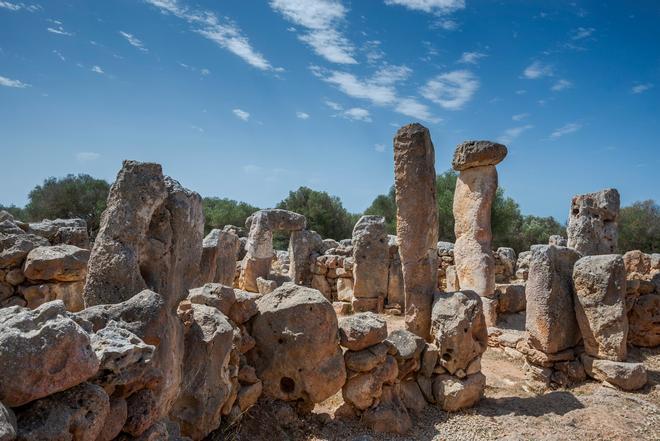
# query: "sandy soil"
(507, 412)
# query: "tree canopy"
(639, 227)
(220, 212)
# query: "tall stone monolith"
(417, 223)
(592, 223)
(473, 198)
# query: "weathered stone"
(142, 412)
(390, 415)
(637, 264)
(62, 231)
(429, 359)
(644, 321)
(600, 305)
(365, 389)
(207, 377)
(302, 244)
(49, 350)
(364, 360)
(417, 218)
(395, 291)
(510, 297)
(14, 248)
(368, 305)
(370, 251)
(505, 264)
(345, 289)
(342, 308)
(537, 378)
(7, 423)
(540, 358)
(592, 222)
(265, 286)
(522, 265)
(76, 414)
(471, 154)
(117, 414)
(15, 277)
(453, 394)
(248, 396)
(297, 355)
(321, 284)
(236, 304)
(71, 293)
(627, 376)
(558, 240)
(451, 277)
(568, 373)
(362, 330)
(550, 311)
(412, 396)
(459, 329)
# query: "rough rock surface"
(7, 424)
(359, 331)
(550, 314)
(48, 349)
(459, 329)
(219, 255)
(63, 263)
(627, 376)
(600, 305)
(62, 231)
(371, 254)
(470, 154)
(592, 222)
(297, 354)
(417, 218)
(453, 394)
(302, 244)
(644, 320)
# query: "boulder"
(302, 244)
(236, 304)
(592, 222)
(600, 305)
(297, 354)
(550, 311)
(390, 415)
(558, 240)
(417, 217)
(644, 321)
(453, 394)
(62, 231)
(76, 414)
(14, 248)
(219, 256)
(471, 154)
(362, 330)
(505, 264)
(407, 348)
(626, 376)
(365, 389)
(459, 329)
(7, 423)
(510, 297)
(366, 359)
(71, 293)
(371, 254)
(117, 414)
(412, 396)
(49, 350)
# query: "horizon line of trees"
(85, 197)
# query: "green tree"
(445, 185)
(71, 196)
(220, 212)
(325, 214)
(639, 227)
(385, 205)
(537, 230)
(17, 212)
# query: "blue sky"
(251, 99)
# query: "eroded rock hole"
(287, 385)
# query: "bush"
(639, 227)
(220, 212)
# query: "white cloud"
(451, 90)
(471, 57)
(59, 55)
(538, 70)
(205, 72)
(581, 33)
(380, 148)
(520, 116)
(511, 134)
(641, 88)
(355, 87)
(333, 105)
(87, 156)
(565, 130)
(10, 6)
(224, 33)
(561, 85)
(436, 6)
(521, 92)
(357, 114)
(414, 109)
(322, 20)
(241, 114)
(447, 24)
(8, 82)
(59, 30)
(373, 51)
(302, 115)
(97, 69)
(133, 41)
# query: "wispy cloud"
(252, 168)
(224, 32)
(471, 57)
(97, 69)
(561, 85)
(357, 114)
(302, 115)
(241, 114)
(565, 130)
(87, 156)
(380, 148)
(447, 24)
(134, 41)
(451, 90)
(19, 6)
(511, 134)
(414, 109)
(373, 52)
(641, 88)
(59, 55)
(322, 21)
(538, 70)
(59, 30)
(520, 116)
(8, 82)
(581, 33)
(434, 6)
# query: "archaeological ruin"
(154, 331)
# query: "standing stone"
(475, 190)
(592, 222)
(395, 292)
(219, 255)
(259, 246)
(550, 312)
(301, 246)
(600, 307)
(371, 254)
(417, 223)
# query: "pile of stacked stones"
(43, 261)
(447, 280)
(643, 298)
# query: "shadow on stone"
(558, 402)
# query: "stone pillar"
(301, 246)
(417, 223)
(473, 199)
(592, 222)
(371, 268)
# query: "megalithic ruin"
(417, 223)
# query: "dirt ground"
(507, 412)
